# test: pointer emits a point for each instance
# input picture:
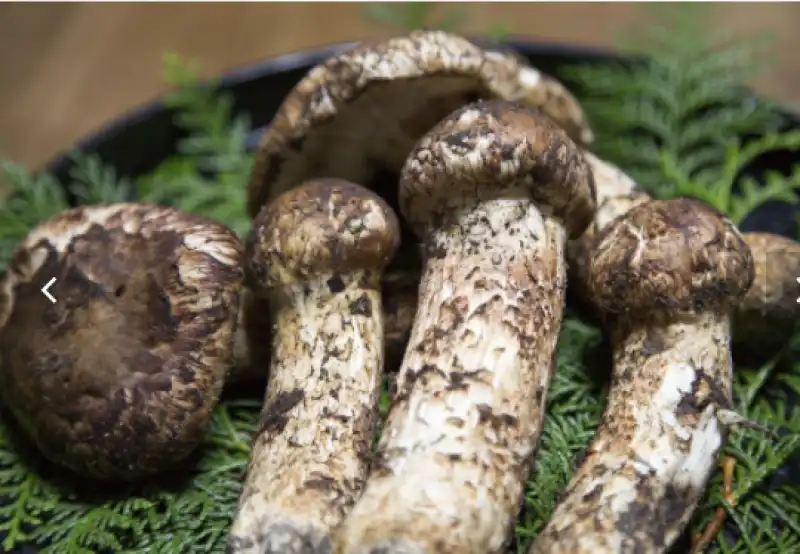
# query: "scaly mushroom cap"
(550, 95)
(118, 377)
(325, 226)
(357, 115)
(669, 254)
(490, 146)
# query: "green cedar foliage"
(672, 122)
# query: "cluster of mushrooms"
(483, 186)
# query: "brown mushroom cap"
(550, 95)
(357, 115)
(323, 227)
(491, 146)
(770, 306)
(675, 254)
(118, 377)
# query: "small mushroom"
(493, 192)
(769, 313)
(765, 317)
(118, 375)
(358, 114)
(665, 275)
(317, 252)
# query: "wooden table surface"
(68, 68)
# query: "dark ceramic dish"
(138, 142)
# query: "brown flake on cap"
(118, 377)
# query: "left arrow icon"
(49, 296)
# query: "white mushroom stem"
(657, 444)
(250, 350)
(467, 413)
(309, 459)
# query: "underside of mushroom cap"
(675, 254)
(324, 226)
(496, 147)
(118, 377)
(357, 115)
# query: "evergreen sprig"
(672, 121)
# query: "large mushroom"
(358, 114)
(317, 252)
(493, 192)
(117, 376)
(665, 275)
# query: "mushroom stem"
(467, 411)
(665, 275)
(318, 252)
(399, 306)
(656, 446)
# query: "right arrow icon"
(52, 299)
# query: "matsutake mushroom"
(318, 252)
(117, 376)
(665, 275)
(493, 192)
(766, 316)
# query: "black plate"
(139, 141)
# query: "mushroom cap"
(323, 227)
(550, 95)
(118, 377)
(357, 115)
(675, 254)
(492, 148)
(775, 289)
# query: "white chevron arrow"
(52, 299)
